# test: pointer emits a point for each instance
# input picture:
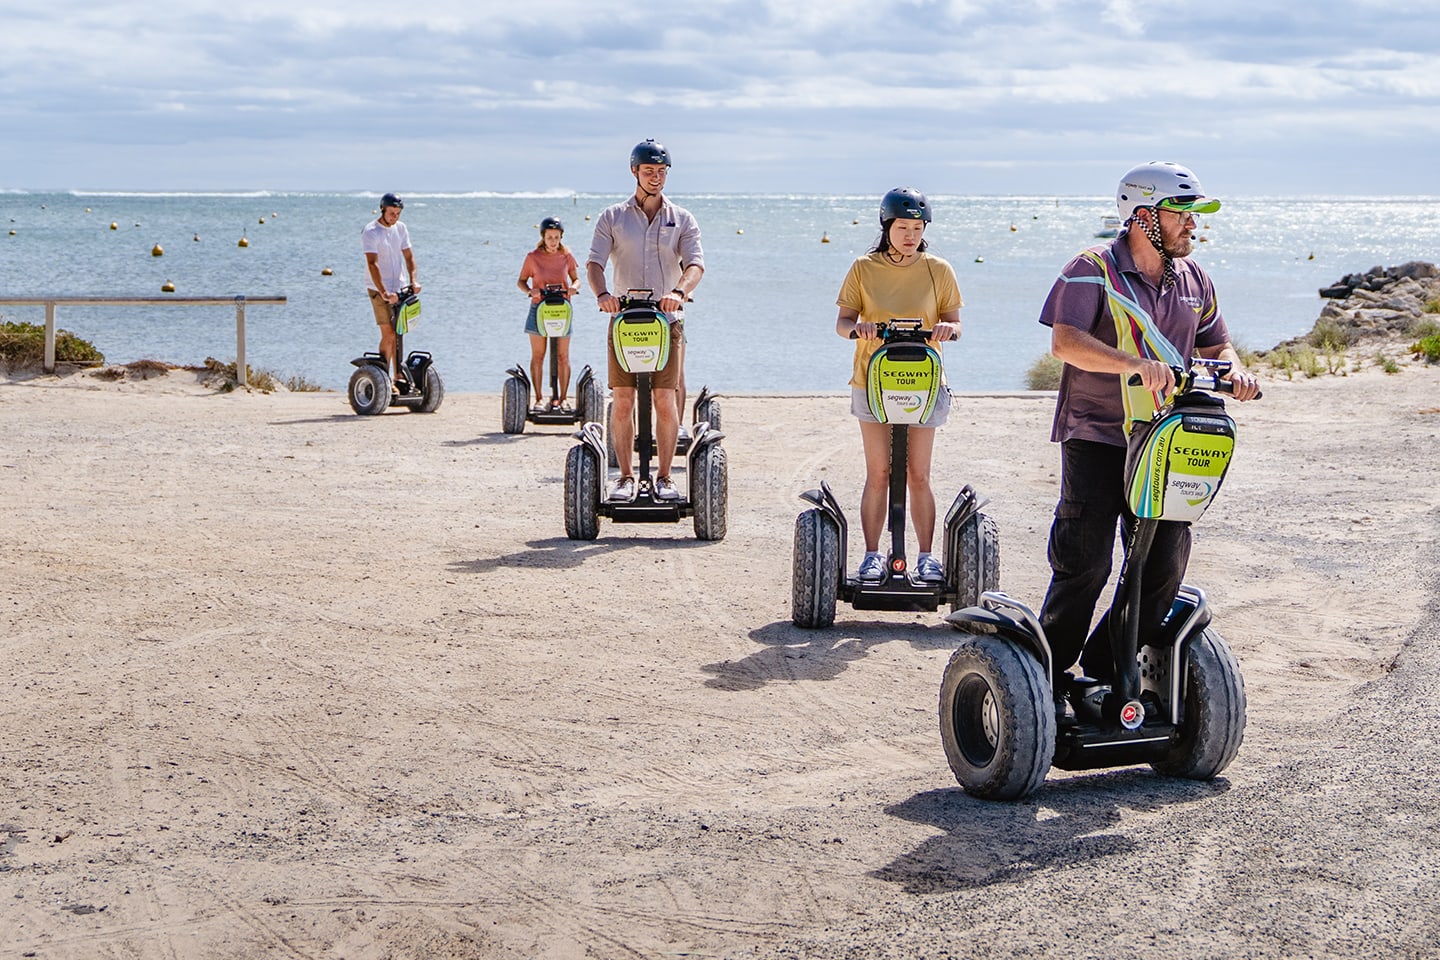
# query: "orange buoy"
(326, 272)
(167, 287)
(824, 238)
(243, 242)
(157, 251)
(114, 225)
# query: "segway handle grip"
(1214, 384)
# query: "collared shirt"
(1104, 294)
(647, 254)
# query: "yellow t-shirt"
(882, 291)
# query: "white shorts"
(860, 408)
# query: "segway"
(552, 316)
(641, 336)
(903, 380)
(1177, 701)
(417, 386)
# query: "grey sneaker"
(665, 489)
(872, 569)
(929, 570)
(624, 489)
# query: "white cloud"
(969, 78)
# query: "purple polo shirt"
(1089, 405)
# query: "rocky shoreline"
(1381, 304)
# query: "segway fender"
(586, 375)
(371, 360)
(1000, 615)
(967, 504)
(593, 435)
(519, 373)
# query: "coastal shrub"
(1429, 348)
(1424, 327)
(1431, 306)
(301, 384)
(1387, 364)
(1308, 362)
(1044, 374)
(22, 345)
(1248, 357)
(1330, 336)
(225, 378)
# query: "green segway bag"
(903, 382)
(552, 316)
(641, 336)
(408, 314)
(1177, 461)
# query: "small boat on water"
(1109, 228)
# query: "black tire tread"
(814, 578)
(1027, 742)
(1212, 723)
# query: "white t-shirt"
(387, 243)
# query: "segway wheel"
(369, 390)
(592, 402)
(513, 401)
(1212, 721)
(815, 574)
(432, 391)
(710, 492)
(997, 721)
(977, 568)
(582, 493)
(709, 412)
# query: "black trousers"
(1082, 540)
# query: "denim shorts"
(860, 408)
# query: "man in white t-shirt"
(390, 265)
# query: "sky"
(1025, 97)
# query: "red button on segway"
(897, 564)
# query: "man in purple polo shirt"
(1136, 305)
(654, 245)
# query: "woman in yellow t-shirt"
(898, 280)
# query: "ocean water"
(764, 314)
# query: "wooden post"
(240, 341)
(49, 366)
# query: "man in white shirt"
(391, 265)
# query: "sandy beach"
(286, 682)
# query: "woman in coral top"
(549, 263)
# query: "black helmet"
(551, 223)
(390, 200)
(649, 152)
(904, 203)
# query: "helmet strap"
(641, 187)
(1151, 229)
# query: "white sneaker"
(929, 570)
(624, 489)
(665, 489)
(872, 568)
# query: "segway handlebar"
(642, 298)
(1188, 380)
(911, 330)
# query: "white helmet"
(1160, 183)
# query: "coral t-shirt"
(542, 268)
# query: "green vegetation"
(1424, 327)
(1431, 306)
(1387, 364)
(1330, 336)
(1292, 360)
(22, 345)
(225, 377)
(1044, 374)
(300, 384)
(1429, 348)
